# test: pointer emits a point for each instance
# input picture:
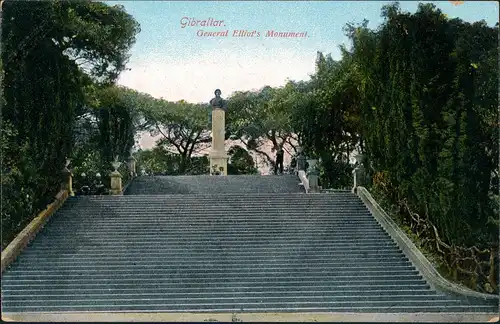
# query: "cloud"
(194, 79)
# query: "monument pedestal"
(218, 156)
(218, 160)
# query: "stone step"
(165, 268)
(263, 298)
(242, 225)
(276, 291)
(421, 288)
(408, 307)
(354, 261)
(290, 283)
(270, 197)
(211, 274)
(219, 244)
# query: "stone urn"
(312, 164)
(359, 158)
(116, 164)
(68, 162)
(116, 178)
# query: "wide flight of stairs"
(243, 184)
(225, 251)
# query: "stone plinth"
(359, 177)
(218, 156)
(68, 181)
(116, 183)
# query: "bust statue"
(218, 102)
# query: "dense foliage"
(257, 118)
(240, 161)
(160, 161)
(181, 126)
(429, 90)
(52, 52)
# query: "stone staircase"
(219, 244)
(160, 185)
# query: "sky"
(174, 63)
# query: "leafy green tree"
(160, 161)
(428, 99)
(50, 52)
(261, 117)
(240, 161)
(182, 127)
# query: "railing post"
(359, 173)
(313, 175)
(132, 166)
(301, 162)
(116, 179)
(68, 178)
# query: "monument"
(218, 156)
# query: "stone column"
(218, 156)
(116, 179)
(68, 179)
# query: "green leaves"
(52, 51)
(182, 126)
(264, 115)
(241, 162)
(424, 111)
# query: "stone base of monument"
(218, 163)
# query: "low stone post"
(68, 179)
(132, 166)
(313, 175)
(359, 173)
(301, 162)
(116, 179)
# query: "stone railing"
(482, 268)
(475, 268)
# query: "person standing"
(279, 161)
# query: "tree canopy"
(53, 53)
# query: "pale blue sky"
(323, 20)
(172, 62)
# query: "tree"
(240, 161)
(256, 118)
(50, 52)
(429, 95)
(160, 161)
(181, 125)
